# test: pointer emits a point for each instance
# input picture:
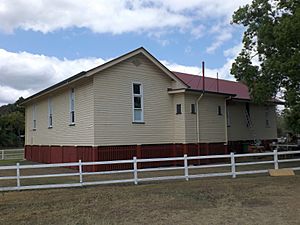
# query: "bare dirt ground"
(255, 199)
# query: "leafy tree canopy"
(12, 124)
(272, 41)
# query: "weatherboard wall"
(238, 130)
(212, 125)
(113, 104)
(62, 133)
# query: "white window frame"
(50, 113)
(34, 117)
(141, 95)
(72, 106)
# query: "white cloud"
(113, 16)
(22, 74)
(234, 51)
(10, 95)
(222, 33)
(223, 71)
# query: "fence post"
(186, 168)
(275, 159)
(135, 172)
(232, 165)
(2, 155)
(80, 171)
(18, 175)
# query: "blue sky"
(43, 42)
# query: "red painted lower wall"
(58, 154)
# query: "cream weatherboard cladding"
(179, 119)
(239, 131)
(82, 133)
(113, 104)
(190, 119)
(212, 125)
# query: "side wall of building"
(113, 104)
(61, 133)
(211, 124)
(238, 130)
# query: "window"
(178, 109)
(228, 118)
(34, 117)
(193, 109)
(50, 111)
(72, 106)
(248, 117)
(219, 111)
(267, 117)
(137, 102)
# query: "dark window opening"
(248, 124)
(267, 123)
(50, 120)
(136, 89)
(72, 117)
(178, 109)
(193, 109)
(219, 110)
(137, 103)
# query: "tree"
(272, 41)
(12, 124)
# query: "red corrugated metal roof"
(225, 86)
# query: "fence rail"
(186, 168)
(8, 154)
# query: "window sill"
(138, 122)
(178, 113)
(193, 113)
(50, 127)
(72, 124)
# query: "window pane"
(137, 103)
(72, 117)
(137, 114)
(50, 120)
(219, 111)
(178, 109)
(193, 108)
(136, 89)
(72, 100)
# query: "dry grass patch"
(245, 200)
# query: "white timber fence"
(186, 168)
(9, 154)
